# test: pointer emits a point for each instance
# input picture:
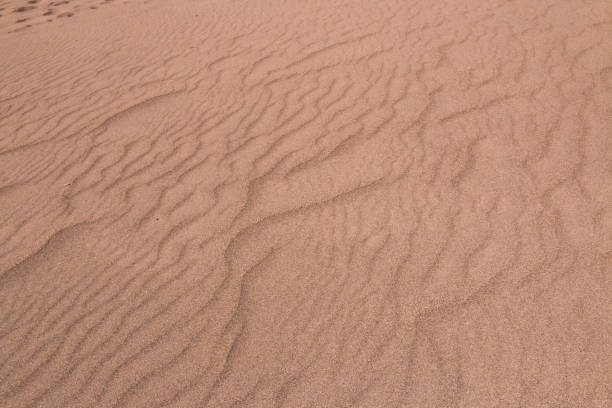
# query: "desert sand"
(215, 203)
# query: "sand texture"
(304, 203)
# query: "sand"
(306, 203)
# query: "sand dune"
(213, 203)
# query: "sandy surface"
(306, 203)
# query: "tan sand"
(305, 203)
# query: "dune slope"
(306, 203)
